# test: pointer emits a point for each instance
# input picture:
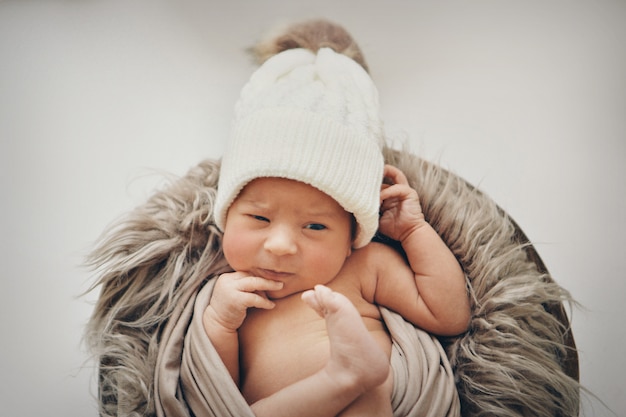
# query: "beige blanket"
(191, 379)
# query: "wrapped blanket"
(423, 379)
(517, 359)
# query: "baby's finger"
(257, 300)
(397, 191)
(395, 175)
(252, 284)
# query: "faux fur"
(145, 262)
(517, 359)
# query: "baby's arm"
(357, 365)
(439, 297)
(233, 294)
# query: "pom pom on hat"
(314, 118)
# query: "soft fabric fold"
(191, 379)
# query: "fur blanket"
(517, 359)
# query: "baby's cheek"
(234, 250)
(327, 267)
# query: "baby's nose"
(280, 241)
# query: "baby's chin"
(283, 294)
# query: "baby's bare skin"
(321, 329)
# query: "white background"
(526, 99)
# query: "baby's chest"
(283, 329)
(279, 347)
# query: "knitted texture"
(314, 118)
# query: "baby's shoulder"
(375, 252)
(367, 265)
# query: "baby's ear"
(354, 229)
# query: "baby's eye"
(315, 226)
(259, 218)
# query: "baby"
(285, 237)
(300, 197)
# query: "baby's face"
(287, 231)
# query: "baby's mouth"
(274, 275)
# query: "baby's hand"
(401, 211)
(234, 293)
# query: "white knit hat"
(314, 118)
